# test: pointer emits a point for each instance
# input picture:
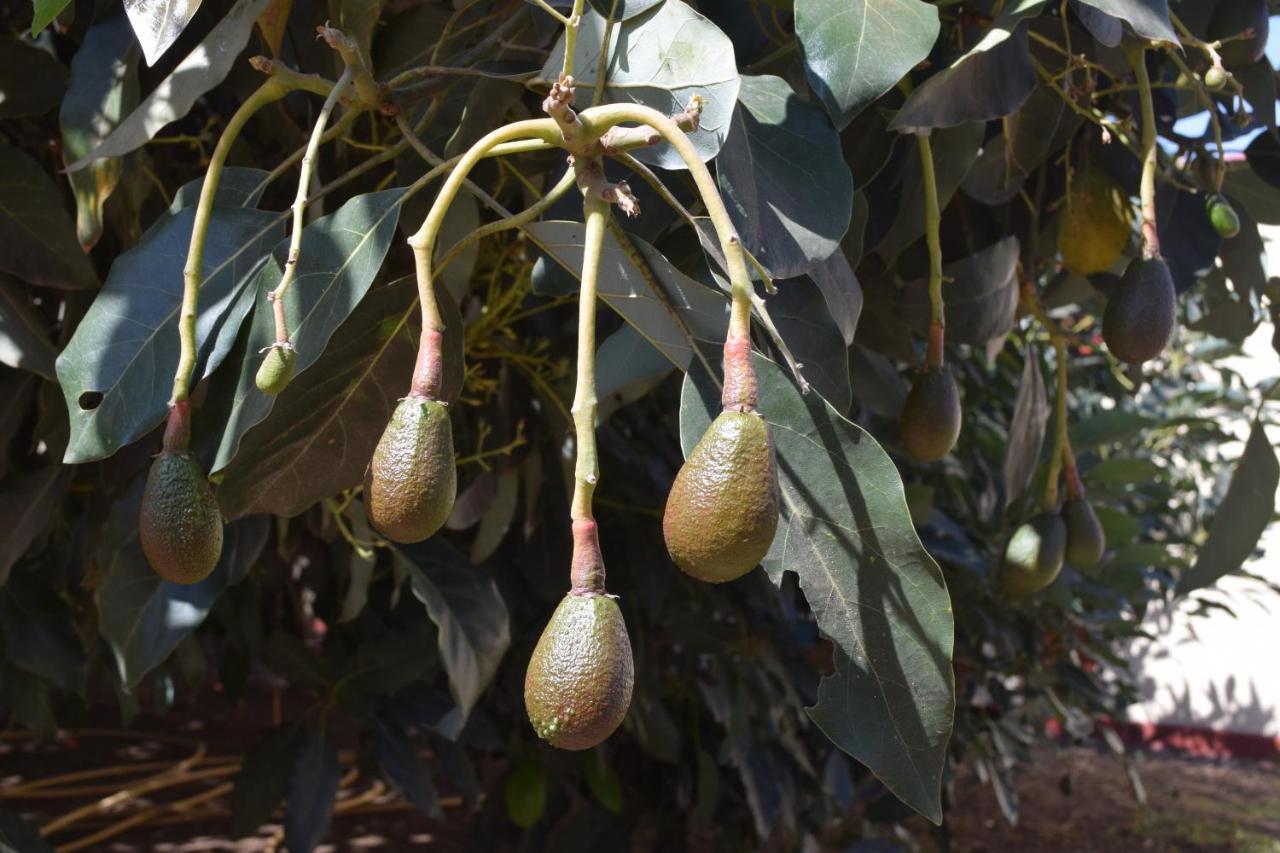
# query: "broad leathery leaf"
(117, 371)
(1258, 195)
(239, 186)
(104, 87)
(38, 629)
(273, 22)
(28, 507)
(32, 81)
(202, 69)
(702, 312)
(361, 561)
(341, 255)
(800, 313)
(1039, 128)
(991, 80)
(37, 240)
(497, 521)
(660, 59)
(856, 50)
(981, 293)
(18, 836)
(784, 178)
(1188, 241)
(312, 792)
(398, 759)
(45, 12)
(627, 367)
(1109, 427)
(24, 338)
(263, 780)
(1259, 82)
(323, 428)
(623, 9)
(1242, 516)
(1107, 29)
(1026, 429)
(468, 610)
(875, 592)
(525, 793)
(158, 23)
(840, 288)
(1148, 18)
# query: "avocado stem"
(1060, 440)
(586, 470)
(739, 393)
(1075, 487)
(177, 429)
(932, 232)
(1150, 231)
(428, 369)
(586, 571)
(935, 355)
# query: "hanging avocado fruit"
(412, 482)
(1034, 555)
(1138, 323)
(1095, 223)
(1086, 540)
(931, 417)
(1222, 215)
(1215, 78)
(179, 524)
(276, 369)
(1232, 17)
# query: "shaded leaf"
(24, 338)
(800, 314)
(39, 633)
(45, 12)
(37, 240)
(1107, 29)
(398, 759)
(28, 508)
(981, 293)
(627, 367)
(842, 292)
(525, 793)
(624, 8)
(18, 836)
(1109, 427)
(32, 81)
(1148, 18)
(1026, 430)
(497, 521)
(312, 792)
(263, 780)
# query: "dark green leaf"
(45, 12)
(27, 700)
(1259, 82)
(840, 288)
(32, 81)
(603, 780)
(27, 506)
(263, 780)
(800, 314)
(1259, 197)
(981, 293)
(18, 836)
(312, 792)
(1107, 29)
(525, 792)
(1148, 18)
(628, 367)
(1026, 430)
(39, 633)
(24, 338)
(1119, 470)
(37, 240)
(1108, 428)
(398, 759)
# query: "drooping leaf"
(24, 338)
(876, 593)
(840, 288)
(660, 59)
(471, 618)
(1107, 29)
(263, 780)
(1109, 427)
(1188, 240)
(158, 23)
(1026, 430)
(398, 759)
(1260, 197)
(625, 9)
(981, 293)
(785, 182)
(1148, 18)
(800, 314)
(27, 506)
(32, 81)
(37, 240)
(45, 12)
(18, 836)
(341, 255)
(1259, 82)
(202, 69)
(313, 791)
(856, 50)
(273, 22)
(1039, 128)
(39, 634)
(628, 366)
(1243, 515)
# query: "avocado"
(179, 525)
(723, 508)
(578, 685)
(1222, 215)
(1138, 323)
(276, 369)
(1215, 78)
(931, 417)
(1034, 555)
(1086, 540)
(1232, 17)
(412, 482)
(1095, 223)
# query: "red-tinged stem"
(177, 430)
(739, 394)
(586, 572)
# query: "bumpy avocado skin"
(578, 685)
(723, 508)
(412, 482)
(275, 371)
(179, 525)
(1095, 224)
(931, 417)
(1138, 323)
(1034, 555)
(1086, 540)
(1232, 17)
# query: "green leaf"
(660, 59)
(1026, 430)
(1242, 516)
(981, 294)
(203, 68)
(1123, 471)
(27, 506)
(856, 50)
(784, 178)
(603, 780)
(1259, 197)
(37, 240)
(39, 633)
(18, 836)
(801, 315)
(841, 290)
(1109, 427)
(27, 700)
(525, 793)
(468, 610)
(117, 371)
(45, 12)
(312, 792)
(1149, 18)
(625, 9)
(627, 368)
(398, 759)
(341, 255)
(32, 81)
(24, 338)
(263, 780)
(158, 23)
(847, 533)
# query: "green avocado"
(1232, 17)
(723, 508)
(276, 370)
(1034, 555)
(1215, 78)
(412, 482)
(1095, 223)
(931, 417)
(1223, 216)
(1086, 540)
(578, 685)
(179, 525)
(1138, 323)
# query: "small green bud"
(276, 369)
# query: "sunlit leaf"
(158, 23)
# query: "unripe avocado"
(1223, 216)
(578, 686)
(1140, 315)
(1095, 223)
(1034, 555)
(179, 525)
(1215, 77)
(1232, 17)
(931, 417)
(276, 370)
(723, 508)
(1086, 540)
(412, 482)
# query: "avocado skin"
(412, 482)
(1086, 540)
(275, 371)
(1034, 555)
(1234, 16)
(1138, 323)
(1095, 225)
(578, 685)
(931, 417)
(179, 524)
(1223, 216)
(723, 508)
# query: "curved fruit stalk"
(1034, 555)
(1095, 224)
(1086, 540)
(412, 480)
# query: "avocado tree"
(345, 345)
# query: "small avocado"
(179, 525)
(1223, 216)
(1034, 555)
(1232, 17)
(1095, 223)
(1086, 540)
(931, 417)
(1215, 78)
(412, 482)
(578, 686)
(1140, 315)
(276, 370)
(723, 508)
